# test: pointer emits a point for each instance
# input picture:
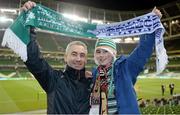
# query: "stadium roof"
(121, 5)
(169, 8)
(125, 5)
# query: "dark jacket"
(67, 92)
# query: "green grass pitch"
(26, 95)
(21, 95)
(151, 88)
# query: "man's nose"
(78, 58)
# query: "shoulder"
(120, 59)
(58, 73)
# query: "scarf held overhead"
(17, 36)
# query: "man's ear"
(86, 60)
(65, 58)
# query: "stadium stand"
(53, 46)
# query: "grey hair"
(76, 43)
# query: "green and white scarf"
(17, 36)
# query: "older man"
(67, 91)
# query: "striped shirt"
(112, 105)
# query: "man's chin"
(78, 68)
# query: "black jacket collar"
(75, 74)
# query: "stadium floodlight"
(165, 24)
(3, 19)
(97, 21)
(128, 40)
(177, 21)
(173, 22)
(75, 17)
(118, 40)
(8, 11)
(136, 38)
